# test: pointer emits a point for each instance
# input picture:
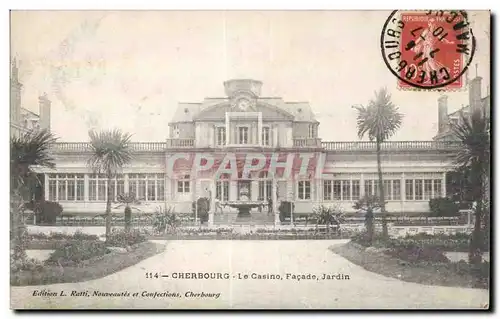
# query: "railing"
(85, 147)
(63, 147)
(396, 145)
(180, 142)
(307, 142)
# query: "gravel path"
(363, 289)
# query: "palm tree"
(473, 132)
(110, 152)
(379, 120)
(29, 150)
(127, 200)
(368, 204)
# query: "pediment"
(269, 112)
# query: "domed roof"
(236, 86)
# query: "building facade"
(237, 149)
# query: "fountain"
(244, 204)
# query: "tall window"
(220, 135)
(147, 187)
(222, 190)
(392, 188)
(97, 187)
(266, 139)
(311, 130)
(243, 135)
(265, 187)
(437, 188)
(371, 187)
(117, 186)
(183, 185)
(343, 190)
(337, 190)
(418, 189)
(396, 189)
(423, 189)
(346, 190)
(327, 189)
(66, 187)
(409, 189)
(304, 190)
(355, 189)
(427, 188)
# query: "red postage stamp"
(428, 49)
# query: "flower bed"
(123, 238)
(424, 272)
(456, 242)
(257, 234)
(97, 266)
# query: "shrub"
(46, 212)
(78, 235)
(203, 205)
(443, 207)
(77, 251)
(414, 253)
(29, 264)
(123, 238)
(164, 220)
(285, 210)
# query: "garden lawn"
(375, 260)
(93, 268)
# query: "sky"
(129, 69)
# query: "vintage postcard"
(250, 159)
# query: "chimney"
(44, 105)
(475, 93)
(442, 113)
(15, 94)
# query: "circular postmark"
(428, 49)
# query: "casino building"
(243, 122)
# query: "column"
(254, 189)
(46, 187)
(228, 133)
(274, 135)
(403, 187)
(362, 186)
(259, 128)
(211, 213)
(275, 203)
(443, 185)
(403, 193)
(86, 187)
(166, 189)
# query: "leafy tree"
(127, 200)
(110, 151)
(380, 120)
(368, 204)
(27, 151)
(473, 132)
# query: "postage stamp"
(428, 49)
